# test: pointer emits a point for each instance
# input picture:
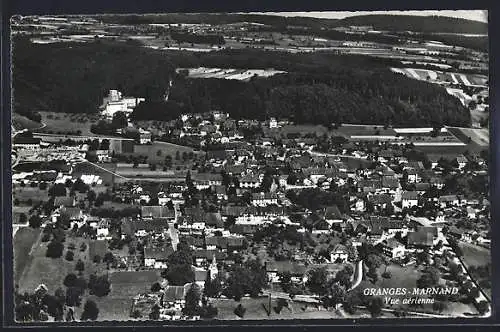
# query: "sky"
(476, 15)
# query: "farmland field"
(88, 168)
(20, 122)
(165, 148)
(478, 136)
(255, 310)
(67, 122)
(476, 256)
(23, 241)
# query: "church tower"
(212, 269)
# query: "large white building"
(115, 102)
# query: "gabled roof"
(409, 195)
(332, 212)
(159, 254)
(173, 293)
(214, 219)
(157, 212)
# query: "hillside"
(319, 87)
(425, 24)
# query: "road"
(103, 168)
(358, 274)
(80, 137)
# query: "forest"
(426, 24)
(75, 78)
(317, 88)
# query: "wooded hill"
(425, 24)
(318, 87)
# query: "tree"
(482, 307)
(439, 306)
(70, 280)
(213, 287)
(80, 266)
(155, 312)
(316, 280)
(375, 306)
(429, 279)
(54, 249)
(90, 311)
(179, 274)
(23, 219)
(119, 120)
(285, 281)
(192, 298)
(240, 311)
(136, 314)
(156, 287)
(69, 255)
(99, 286)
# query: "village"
(208, 217)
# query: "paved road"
(359, 275)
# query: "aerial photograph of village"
(250, 166)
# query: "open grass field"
(124, 286)
(165, 148)
(51, 271)
(20, 122)
(23, 194)
(23, 241)
(406, 277)
(101, 170)
(256, 310)
(475, 255)
(67, 122)
(478, 136)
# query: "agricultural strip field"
(67, 122)
(23, 241)
(257, 309)
(478, 136)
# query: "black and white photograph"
(250, 166)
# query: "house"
(390, 184)
(275, 268)
(156, 212)
(263, 199)
(413, 176)
(447, 201)
(339, 254)
(214, 219)
(423, 237)
(462, 161)
(144, 136)
(471, 213)
(393, 248)
(359, 205)
(103, 230)
(25, 142)
(249, 181)
(206, 180)
(220, 192)
(157, 257)
(437, 182)
(174, 297)
(332, 215)
(103, 156)
(460, 234)
(434, 160)
(64, 201)
(439, 217)
(409, 199)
